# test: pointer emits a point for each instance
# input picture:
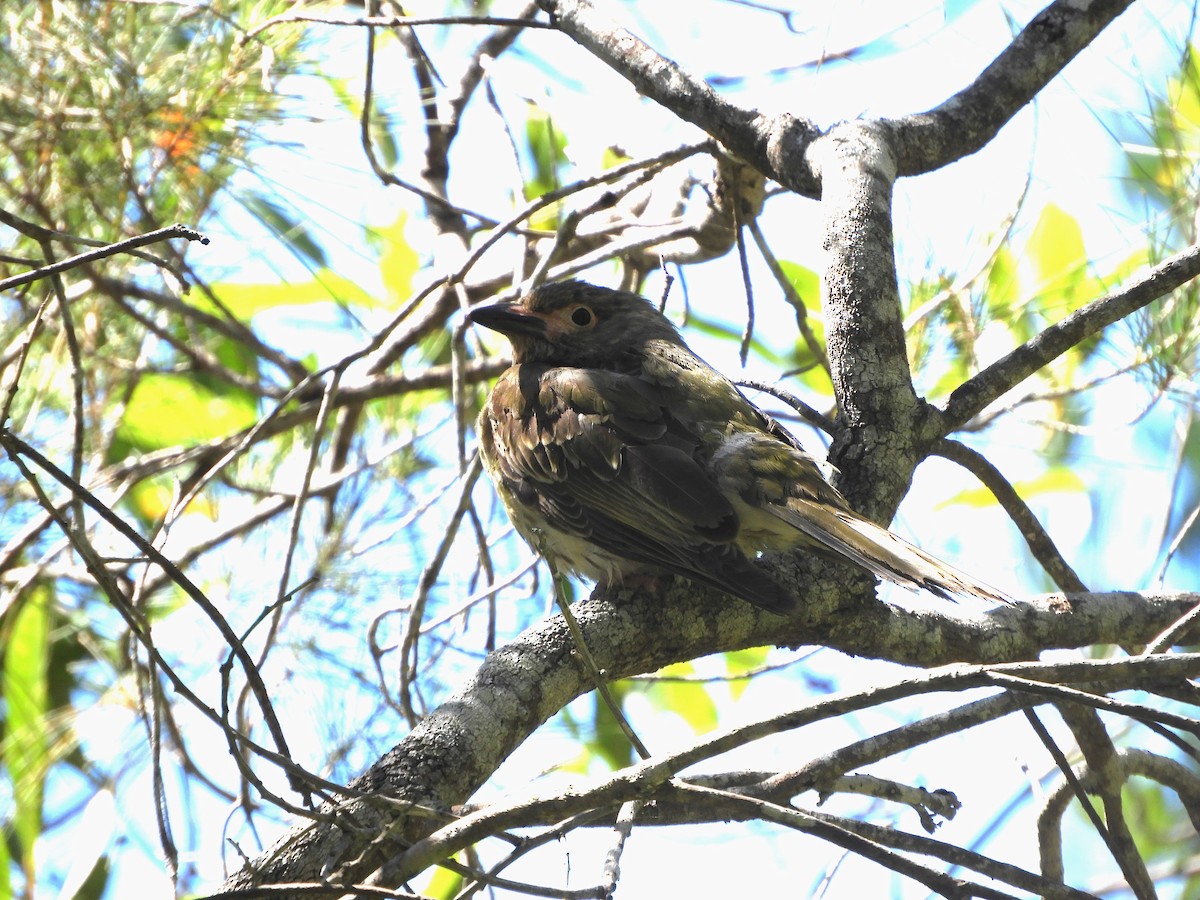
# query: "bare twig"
(389, 22)
(125, 246)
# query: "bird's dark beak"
(509, 319)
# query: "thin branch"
(816, 773)
(17, 447)
(227, 326)
(641, 780)
(389, 22)
(809, 414)
(626, 817)
(791, 295)
(974, 395)
(772, 144)
(598, 676)
(1174, 632)
(844, 833)
(1040, 544)
(125, 246)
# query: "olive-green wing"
(600, 455)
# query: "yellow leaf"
(1056, 480)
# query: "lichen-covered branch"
(971, 118)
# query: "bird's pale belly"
(571, 553)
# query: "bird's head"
(573, 323)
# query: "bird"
(620, 455)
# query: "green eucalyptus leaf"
(169, 410)
(1058, 479)
(247, 300)
(26, 745)
(689, 700)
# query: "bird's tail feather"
(877, 550)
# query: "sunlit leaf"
(547, 149)
(689, 700)
(154, 497)
(247, 300)
(176, 410)
(729, 333)
(445, 883)
(1001, 294)
(398, 262)
(806, 283)
(742, 662)
(1058, 479)
(1058, 257)
(26, 738)
(613, 157)
(608, 740)
(6, 872)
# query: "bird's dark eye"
(582, 316)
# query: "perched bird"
(619, 453)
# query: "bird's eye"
(582, 316)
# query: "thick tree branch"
(873, 446)
(456, 748)
(774, 145)
(973, 396)
(971, 118)
(815, 774)
(644, 779)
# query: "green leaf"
(445, 883)
(26, 738)
(398, 262)
(547, 148)
(729, 333)
(608, 741)
(806, 283)
(178, 410)
(290, 231)
(1059, 479)
(738, 663)
(96, 883)
(247, 300)
(1055, 247)
(1002, 284)
(689, 700)
(613, 157)
(1060, 262)
(6, 872)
